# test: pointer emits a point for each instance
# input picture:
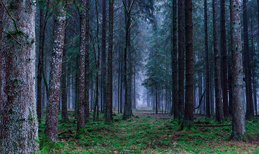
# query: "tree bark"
(188, 116)
(238, 116)
(218, 89)
(207, 60)
(18, 117)
(104, 63)
(109, 81)
(181, 57)
(174, 61)
(51, 128)
(87, 72)
(249, 100)
(224, 58)
(81, 98)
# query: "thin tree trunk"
(238, 116)
(230, 66)
(249, 100)
(207, 60)
(18, 117)
(181, 57)
(224, 58)
(104, 63)
(218, 89)
(109, 81)
(174, 61)
(81, 98)
(87, 69)
(51, 128)
(188, 118)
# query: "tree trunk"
(188, 116)
(230, 66)
(51, 128)
(174, 61)
(104, 63)
(218, 89)
(207, 60)
(238, 116)
(249, 100)
(18, 117)
(109, 81)
(81, 98)
(87, 72)
(181, 57)
(224, 58)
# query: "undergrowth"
(148, 134)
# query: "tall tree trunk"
(109, 81)
(64, 81)
(230, 66)
(81, 98)
(224, 58)
(249, 100)
(174, 61)
(87, 72)
(188, 116)
(51, 129)
(19, 125)
(218, 89)
(181, 57)
(104, 63)
(207, 60)
(238, 116)
(40, 62)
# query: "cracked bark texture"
(82, 52)
(51, 128)
(18, 118)
(238, 111)
(87, 63)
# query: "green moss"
(81, 133)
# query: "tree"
(81, 100)
(224, 58)
(181, 57)
(109, 81)
(51, 128)
(238, 116)
(64, 80)
(87, 72)
(218, 89)
(104, 63)
(249, 100)
(18, 118)
(188, 115)
(207, 60)
(174, 61)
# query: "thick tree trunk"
(218, 89)
(174, 61)
(104, 63)
(188, 116)
(181, 57)
(18, 117)
(87, 72)
(51, 128)
(230, 66)
(249, 100)
(109, 81)
(238, 116)
(82, 52)
(207, 60)
(224, 58)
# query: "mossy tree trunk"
(18, 118)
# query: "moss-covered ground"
(151, 134)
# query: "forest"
(129, 76)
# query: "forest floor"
(147, 132)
